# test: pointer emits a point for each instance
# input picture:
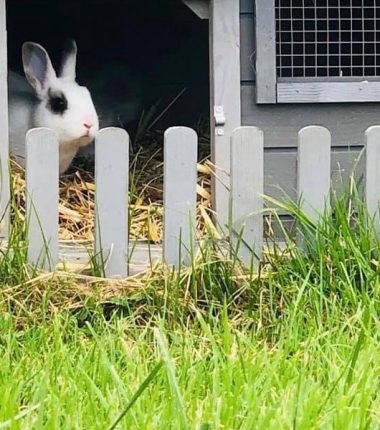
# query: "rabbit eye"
(57, 104)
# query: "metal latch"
(220, 120)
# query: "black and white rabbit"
(54, 101)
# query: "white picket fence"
(180, 179)
(111, 198)
(313, 180)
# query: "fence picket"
(314, 169)
(42, 197)
(247, 182)
(111, 217)
(4, 146)
(372, 174)
(180, 181)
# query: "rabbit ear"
(69, 60)
(37, 67)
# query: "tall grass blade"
(8, 423)
(138, 393)
(172, 377)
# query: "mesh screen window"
(328, 38)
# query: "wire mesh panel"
(328, 38)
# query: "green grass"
(215, 375)
(295, 346)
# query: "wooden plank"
(247, 187)
(180, 181)
(247, 48)
(280, 171)
(328, 92)
(344, 164)
(372, 174)
(142, 256)
(111, 219)
(246, 6)
(4, 135)
(225, 95)
(266, 74)
(314, 169)
(347, 122)
(199, 7)
(42, 165)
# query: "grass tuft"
(292, 345)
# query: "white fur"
(28, 109)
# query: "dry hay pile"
(77, 195)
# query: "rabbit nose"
(88, 124)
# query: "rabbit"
(56, 102)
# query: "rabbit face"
(65, 106)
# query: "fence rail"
(180, 178)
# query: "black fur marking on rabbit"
(57, 102)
